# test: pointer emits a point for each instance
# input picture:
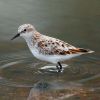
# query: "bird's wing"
(52, 46)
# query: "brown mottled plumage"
(51, 46)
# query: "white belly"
(52, 58)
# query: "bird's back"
(52, 46)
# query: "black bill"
(17, 35)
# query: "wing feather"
(52, 46)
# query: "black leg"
(58, 68)
(60, 65)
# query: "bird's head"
(25, 30)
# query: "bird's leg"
(60, 65)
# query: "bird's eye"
(24, 30)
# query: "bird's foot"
(60, 70)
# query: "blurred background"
(74, 21)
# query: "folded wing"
(51, 46)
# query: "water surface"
(76, 22)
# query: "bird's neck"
(36, 36)
(31, 41)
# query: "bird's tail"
(82, 50)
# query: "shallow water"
(23, 77)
